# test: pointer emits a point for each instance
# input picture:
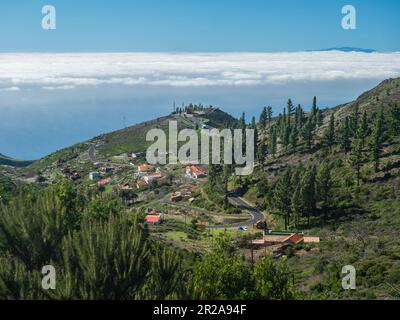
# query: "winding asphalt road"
(239, 202)
(235, 200)
(92, 156)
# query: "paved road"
(255, 214)
(242, 204)
(92, 156)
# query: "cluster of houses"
(98, 177)
(146, 174)
(182, 195)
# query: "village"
(171, 200)
(168, 197)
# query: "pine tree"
(282, 196)
(363, 129)
(272, 141)
(308, 192)
(294, 137)
(355, 119)
(296, 205)
(319, 118)
(242, 121)
(290, 110)
(307, 133)
(377, 140)
(324, 182)
(344, 135)
(261, 152)
(356, 157)
(269, 114)
(263, 117)
(314, 108)
(286, 136)
(299, 116)
(395, 120)
(330, 133)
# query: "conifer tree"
(377, 140)
(282, 196)
(314, 107)
(330, 133)
(269, 114)
(290, 110)
(395, 120)
(272, 141)
(324, 182)
(363, 129)
(307, 133)
(344, 135)
(263, 118)
(356, 157)
(294, 136)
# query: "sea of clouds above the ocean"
(65, 71)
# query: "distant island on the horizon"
(348, 49)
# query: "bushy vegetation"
(107, 254)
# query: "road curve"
(239, 202)
(92, 155)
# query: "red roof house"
(194, 172)
(153, 218)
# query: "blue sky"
(198, 25)
(125, 61)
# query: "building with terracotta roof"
(195, 172)
(292, 238)
(146, 168)
(104, 182)
(152, 176)
(153, 218)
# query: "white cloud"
(10, 89)
(69, 70)
(65, 87)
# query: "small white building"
(94, 175)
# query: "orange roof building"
(194, 172)
(104, 182)
(146, 168)
(152, 218)
(153, 176)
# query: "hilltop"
(126, 141)
(7, 161)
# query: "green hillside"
(342, 185)
(7, 161)
(327, 173)
(131, 139)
